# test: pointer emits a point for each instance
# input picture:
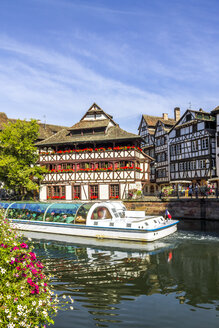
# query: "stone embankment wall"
(206, 209)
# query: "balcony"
(94, 176)
(90, 154)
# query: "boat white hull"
(141, 235)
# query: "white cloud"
(35, 81)
(39, 81)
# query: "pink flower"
(39, 265)
(34, 271)
(30, 282)
(3, 245)
(33, 256)
(23, 245)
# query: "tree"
(18, 157)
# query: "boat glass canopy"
(4, 205)
(48, 212)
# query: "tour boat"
(109, 219)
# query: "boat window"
(48, 212)
(63, 213)
(100, 213)
(81, 215)
(4, 205)
(122, 214)
(115, 212)
(26, 211)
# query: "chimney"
(176, 114)
(165, 116)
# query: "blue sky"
(131, 57)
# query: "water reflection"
(107, 283)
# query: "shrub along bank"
(25, 296)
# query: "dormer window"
(90, 116)
(159, 128)
(93, 116)
(88, 131)
(99, 130)
(188, 117)
(73, 132)
(178, 133)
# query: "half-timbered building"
(94, 159)
(161, 139)
(192, 147)
(154, 131)
(215, 112)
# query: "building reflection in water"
(99, 279)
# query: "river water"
(170, 283)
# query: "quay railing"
(195, 193)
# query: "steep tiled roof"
(152, 120)
(215, 109)
(65, 137)
(98, 110)
(198, 115)
(3, 120)
(45, 130)
(151, 131)
(89, 124)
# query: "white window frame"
(194, 145)
(205, 143)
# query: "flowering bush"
(25, 297)
(167, 191)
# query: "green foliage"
(138, 193)
(18, 156)
(167, 191)
(25, 296)
(26, 299)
